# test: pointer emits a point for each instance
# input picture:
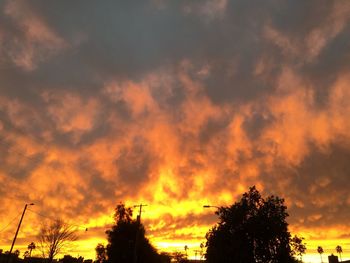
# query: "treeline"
(254, 229)
(251, 230)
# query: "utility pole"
(19, 225)
(140, 212)
(137, 237)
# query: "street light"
(19, 225)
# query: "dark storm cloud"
(255, 124)
(329, 185)
(22, 167)
(134, 163)
(212, 129)
(129, 39)
(103, 187)
(317, 188)
(117, 38)
(333, 60)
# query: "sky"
(174, 104)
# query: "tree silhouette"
(320, 251)
(54, 237)
(298, 247)
(201, 246)
(186, 248)
(339, 251)
(101, 255)
(122, 240)
(179, 257)
(70, 259)
(165, 257)
(31, 246)
(26, 254)
(251, 230)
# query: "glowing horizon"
(85, 245)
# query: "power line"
(10, 223)
(55, 219)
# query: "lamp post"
(19, 225)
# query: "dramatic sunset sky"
(174, 104)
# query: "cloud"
(31, 40)
(176, 104)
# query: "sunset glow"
(174, 104)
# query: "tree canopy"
(252, 230)
(101, 255)
(126, 240)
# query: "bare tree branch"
(54, 237)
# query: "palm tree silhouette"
(339, 251)
(201, 246)
(31, 246)
(320, 251)
(186, 248)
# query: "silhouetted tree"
(252, 230)
(179, 257)
(339, 251)
(101, 255)
(31, 246)
(201, 246)
(70, 259)
(186, 248)
(165, 257)
(298, 247)
(320, 251)
(53, 237)
(122, 240)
